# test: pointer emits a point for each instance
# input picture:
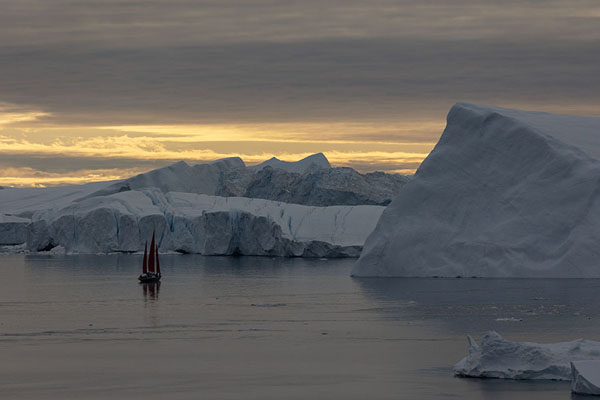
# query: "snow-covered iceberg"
(222, 207)
(585, 377)
(504, 193)
(310, 181)
(196, 223)
(497, 357)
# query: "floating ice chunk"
(585, 377)
(497, 357)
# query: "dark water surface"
(81, 327)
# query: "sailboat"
(151, 264)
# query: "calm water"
(75, 327)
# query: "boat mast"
(151, 260)
(157, 262)
(145, 264)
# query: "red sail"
(145, 264)
(151, 260)
(157, 262)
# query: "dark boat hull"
(149, 278)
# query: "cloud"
(25, 161)
(135, 23)
(17, 113)
(369, 80)
(368, 83)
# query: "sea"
(82, 327)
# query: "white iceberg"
(196, 223)
(497, 357)
(504, 193)
(585, 377)
(205, 209)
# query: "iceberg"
(497, 357)
(585, 377)
(196, 223)
(504, 193)
(310, 181)
(304, 208)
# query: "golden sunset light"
(299, 199)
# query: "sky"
(95, 90)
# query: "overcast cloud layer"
(395, 67)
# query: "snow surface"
(180, 177)
(504, 193)
(497, 357)
(585, 377)
(18, 201)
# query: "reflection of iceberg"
(497, 357)
(585, 378)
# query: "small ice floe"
(509, 319)
(585, 377)
(497, 357)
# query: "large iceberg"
(217, 208)
(497, 357)
(196, 223)
(310, 181)
(504, 193)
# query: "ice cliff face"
(13, 230)
(211, 225)
(504, 193)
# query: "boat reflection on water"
(151, 290)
